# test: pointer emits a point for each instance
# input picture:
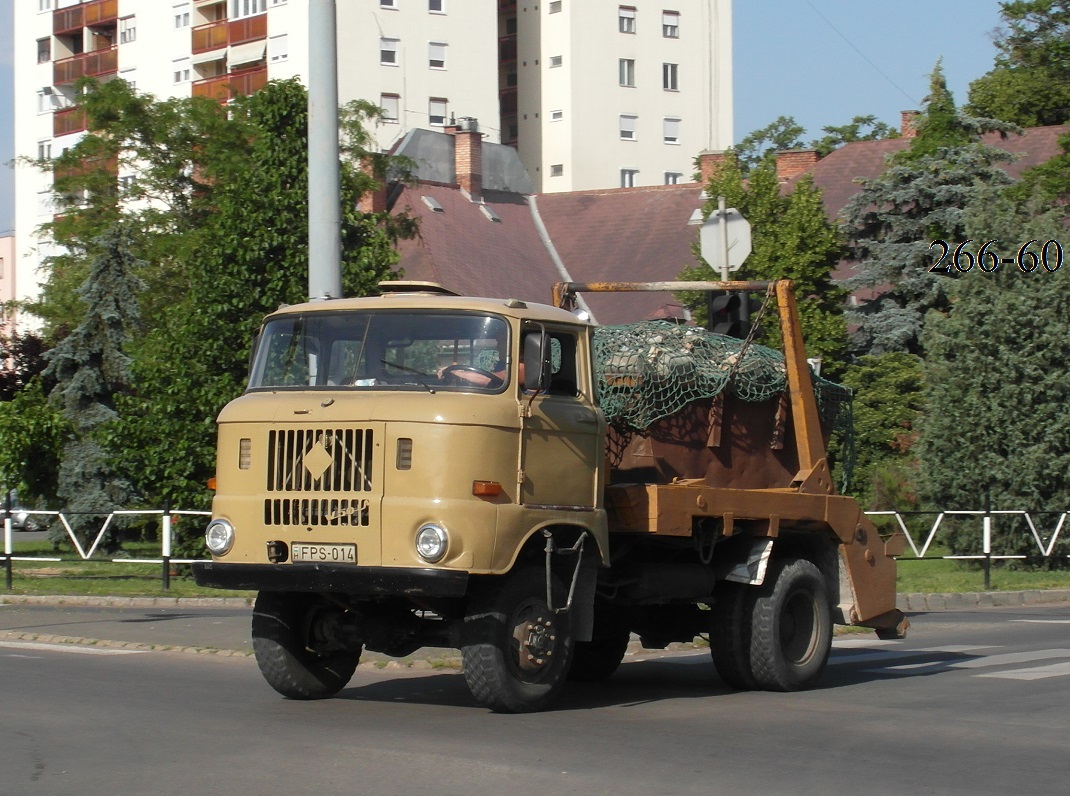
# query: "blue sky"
(821, 61)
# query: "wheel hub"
(536, 638)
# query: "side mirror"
(537, 366)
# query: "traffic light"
(729, 312)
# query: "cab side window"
(564, 374)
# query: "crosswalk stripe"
(1034, 673)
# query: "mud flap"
(752, 571)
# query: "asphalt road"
(973, 702)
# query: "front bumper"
(347, 579)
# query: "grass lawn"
(103, 577)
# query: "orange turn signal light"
(486, 488)
(211, 483)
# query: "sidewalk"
(219, 626)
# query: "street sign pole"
(722, 211)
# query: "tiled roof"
(837, 173)
(624, 234)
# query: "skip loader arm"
(867, 566)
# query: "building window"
(44, 5)
(127, 183)
(181, 12)
(436, 55)
(627, 126)
(436, 6)
(670, 24)
(556, 116)
(388, 3)
(44, 150)
(626, 19)
(556, 60)
(555, 7)
(670, 77)
(180, 71)
(44, 50)
(278, 48)
(436, 112)
(127, 30)
(130, 76)
(46, 100)
(247, 8)
(627, 71)
(388, 51)
(671, 131)
(673, 178)
(628, 177)
(278, 2)
(557, 170)
(391, 106)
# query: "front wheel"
(791, 629)
(516, 651)
(305, 647)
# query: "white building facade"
(594, 94)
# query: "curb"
(126, 602)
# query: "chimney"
(374, 201)
(708, 162)
(468, 156)
(908, 123)
(790, 163)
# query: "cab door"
(563, 436)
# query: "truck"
(423, 469)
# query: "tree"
(920, 197)
(90, 368)
(761, 145)
(21, 358)
(997, 403)
(860, 128)
(1030, 81)
(792, 238)
(888, 400)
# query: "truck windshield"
(383, 351)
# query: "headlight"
(431, 542)
(219, 536)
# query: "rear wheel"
(304, 646)
(791, 627)
(516, 651)
(730, 635)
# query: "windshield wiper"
(414, 371)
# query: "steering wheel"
(493, 381)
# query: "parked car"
(21, 518)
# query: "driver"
(492, 377)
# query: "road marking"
(1035, 673)
(30, 645)
(1044, 621)
(877, 656)
(1010, 658)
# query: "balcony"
(507, 99)
(100, 12)
(225, 87)
(216, 35)
(93, 64)
(67, 121)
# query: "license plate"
(324, 553)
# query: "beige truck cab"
(425, 469)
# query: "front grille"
(305, 511)
(320, 460)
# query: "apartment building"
(598, 94)
(592, 93)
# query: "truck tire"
(515, 651)
(791, 627)
(730, 634)
(598, 658)
(282, 629)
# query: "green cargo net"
(650, 370)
